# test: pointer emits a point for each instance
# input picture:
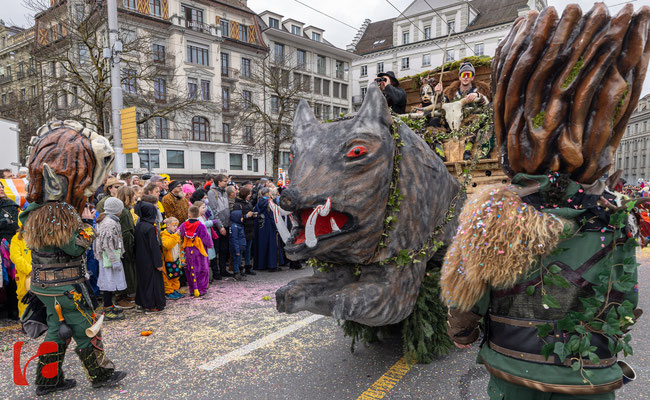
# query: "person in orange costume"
(171, 245)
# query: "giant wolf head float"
(341, 175)
(564, 88)
(67, 163)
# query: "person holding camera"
(242, 203)
(395, 95)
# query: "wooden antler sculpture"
(564, 88)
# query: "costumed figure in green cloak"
(66, 165)
(548, 263)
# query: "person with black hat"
(395, 95)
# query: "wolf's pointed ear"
(374, 106)
(303, 117)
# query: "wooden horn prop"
(564, 88)
(94, 329)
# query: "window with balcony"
(175, 159)
(248, 135)
(426, 60)
(427, 32)
(197, 54)
(321, 65)
(405, 63)
(225, 98)
(479, 49)
(380, 67)
(130, 4)
(200, 129)
(295, 29)
(207, 160)
(315, 36)
(155, 8)
(274, 23)
(301, 59)
(161, 127)
(278, 52)
(364, 70)
(225, 27)
(192, 88)
(247, 98)
(149, 159)
(205, 90)
(405, 37)
(158, 53)
(159, 89)
(236, 162)
(225, 63)
(225, 133)
(193, 17)
(246, 67)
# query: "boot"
(241, 276)
(57, 383)
(99, 369)
(249, 270)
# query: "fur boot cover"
(499, 238)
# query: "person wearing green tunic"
(66, 165)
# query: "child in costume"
(237, 243)
(150, 292)
(171, 244)
(209, 224)
(22, 259)
(108, 249)
(195, 240)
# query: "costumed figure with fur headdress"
(66, 165)
(548, 262)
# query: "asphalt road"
(232, 344)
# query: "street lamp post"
(113, 52)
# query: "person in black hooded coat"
(150, 292)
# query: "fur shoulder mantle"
(499, 237)
(482, 87)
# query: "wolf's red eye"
(357, 151)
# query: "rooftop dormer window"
(274, 23)
(315, 36)
(295, 30)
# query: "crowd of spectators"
(156, 235)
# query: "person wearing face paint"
(175, 203)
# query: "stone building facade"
(633, 152)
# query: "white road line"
(259, 343)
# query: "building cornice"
(440, 40)
(308, 43)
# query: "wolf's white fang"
(279, 222)
(335, 228)
(310, 228)
(325, 211)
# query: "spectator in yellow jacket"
(171, 251)
(21, 256)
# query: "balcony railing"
(164, 60)
(230, 73)
(5, 79)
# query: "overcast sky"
(350, 12)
